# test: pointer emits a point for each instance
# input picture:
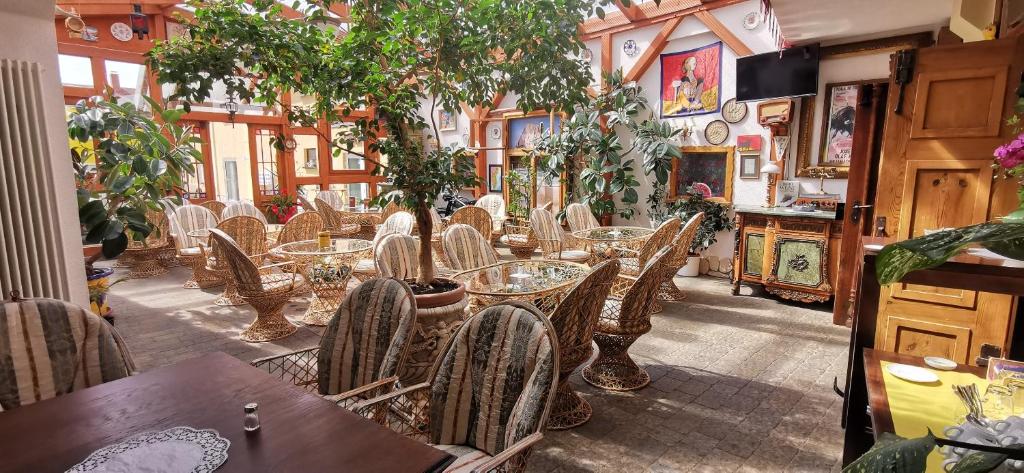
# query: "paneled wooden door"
(935, 173)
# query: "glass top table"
(607, 242)
(327, 270)
(541, 282)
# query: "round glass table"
(540, 282)
(327, 270)
(605, 242)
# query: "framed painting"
(840, 109)
(706, 169)
(691, 81)
(750, 166)
(524, 132)
(446, 121)
(495, 177)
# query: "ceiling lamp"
(139, 21)
(232, 108)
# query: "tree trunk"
(425, 224)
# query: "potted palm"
(393, 58)
(716, 220)
(125, 160)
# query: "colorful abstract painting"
(691, 81)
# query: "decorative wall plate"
(494, 132)
(121, 31)
(588, 55)
(752, 20)
(733, 111)
(716, 132)
(630, 48)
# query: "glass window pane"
(232, 169)
(266, 163)
(218, 97)
(309, 191)
(360, 191)
(75, 71)
(128, 81)
(341, 158)
(306, 157)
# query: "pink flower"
(1011, 154)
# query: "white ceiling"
(809, 21)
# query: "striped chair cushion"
(466, 248)
(190, 218)
(492, 386)
(367, 340)
(578, 256)
(580, 217)
(236, 209)
(397, 256)
(400, 222)
(466, 458)
(50, 348)
(548, 233)
(333, 198)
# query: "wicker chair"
(249, 234)
(333, 198)
(399, 222)
(236, 209)
(633, 260)
(266, 291)
(144, 256)
(389, 209)
(555, 243)
(362, 349)
(340, 224)
(215, 206)
(53, 348)
(495, 206)
(580, 217)
(187, 219)
(574, 319)
(681, 244)
(397, 256)
(488, 421)
(519, 238)
(466, 249)
(301, 227)
(475, 217)
(625, 317)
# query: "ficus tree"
(392, 56)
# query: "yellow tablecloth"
(918, 407)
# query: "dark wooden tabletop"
(878, 399)
(299, 431)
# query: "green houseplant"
(125, 160)
(394, 56)
(716, 220)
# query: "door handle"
(856, 210)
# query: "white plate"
(940, 363)
(912, 373)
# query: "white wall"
(26, 33)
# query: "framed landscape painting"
(691, 81)
(495, 177)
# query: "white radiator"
(32, 259)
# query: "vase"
(438, 316)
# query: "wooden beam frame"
(732, 41)
(591, 30)
(632, 12)
(652, 51)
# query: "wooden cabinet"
(793, 255)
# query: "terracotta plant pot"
(437, 318)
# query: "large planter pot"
(437, 318)
(99, 284)
(692, 267)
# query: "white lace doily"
(175, 450)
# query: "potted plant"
(716, 220)
(282, 208)
(395, 58)
(125, 160)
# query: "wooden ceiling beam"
(632, 12)
(172, 13)
(732, 41)
(592, 30)
(651, 52)
(101, 9)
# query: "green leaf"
(979, 462)
(897, 259)
(892, 454)
(113, 247)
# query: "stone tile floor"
(739, 383)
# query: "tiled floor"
(740, 383)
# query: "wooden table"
(299, 431)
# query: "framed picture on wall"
(524, 132)
(691, 81)
(495, 177)
(840, 109)
(750, 166)
(705, 169)
(445, 121)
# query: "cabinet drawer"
(799, 262)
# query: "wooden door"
(267, 178)
(867, 140)
(199, 186)
(936, 173)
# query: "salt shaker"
(252, 418)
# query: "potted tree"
(393, 58)
(716, 220)
(126, 160)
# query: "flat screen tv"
(771, 76)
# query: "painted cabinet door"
(936, 173)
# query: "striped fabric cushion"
(466, 458)
(368, 338)
(50, 348)
(189, 218)
(580, 217)
(400, 222)
(236, 209)
(494, 382)
(546, 229)
(396, 257)
(466, 248)
(333, 198)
